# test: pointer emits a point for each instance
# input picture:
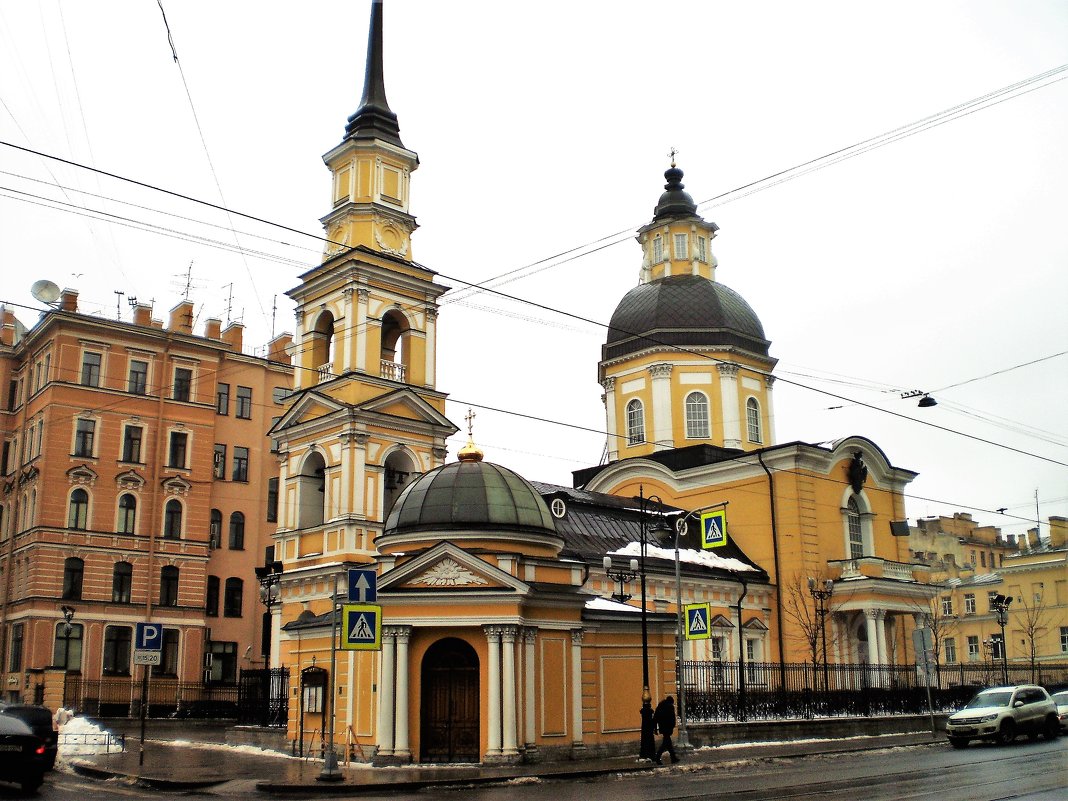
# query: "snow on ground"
(82, 736)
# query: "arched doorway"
(449, 730)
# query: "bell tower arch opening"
(449, 714)
(321, 339)
(311, 491)
(400, 470)
(396, 350)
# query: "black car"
(22, 755)
(41, 723)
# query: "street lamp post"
(68, 616)
(622, 577)
(1000, 605)
(647, 748)
(269, 576)
(822, 593)
(331, 772)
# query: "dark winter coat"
(664, 717)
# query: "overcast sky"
(937, 259)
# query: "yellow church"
(507, 622)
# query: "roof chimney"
(212, 327)
(278, 348)
(181, 321)
(232, 336)
(1058, 532)
(143, 314)
(68, 300)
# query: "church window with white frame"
(635, 423)
(680, 246)
(658, 249)
(856, 532)
(697, 423)
(702, 249)
(752, 420)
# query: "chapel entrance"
(449, 714)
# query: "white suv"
(1001, 713)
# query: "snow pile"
(82, 736)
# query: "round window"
(558, 508)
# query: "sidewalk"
(191, 766)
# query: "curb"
(91, 771)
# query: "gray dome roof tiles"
(683, 310)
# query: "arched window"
(752, 419)
(856, 532)
(73, 573)
(172, 520)
(168, 586)
(215, 529)
(696, 416)
(121, 582)
(232, 597)
(127, 513)
(311, 492)
(395, 330)
(237, 531)
(635, 423)
(79, 510)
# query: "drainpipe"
(778, 575)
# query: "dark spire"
(674, 202)
(373, 119)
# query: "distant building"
(137, 485)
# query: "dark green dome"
(470, 494)
(687, 311)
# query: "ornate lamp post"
(622, 577)
(269, 577)
(68, 616)
(822, 593)
(1000, 605)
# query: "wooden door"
(450, 703)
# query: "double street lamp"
(822, 593)
(269, 576)
(999, 604)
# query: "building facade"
(136, 477)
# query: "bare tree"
(942, 626)
(1033, 620)
(802, 612)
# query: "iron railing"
(120, 696)
(802, 690)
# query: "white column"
(385, 694)
(493, 673)
(299, 357)
(609, 398)
(431, 344)
(508, 699)
(346, 343)
(576, 689)
(529, 640)
(663, 437)
(769, 437)
(345, 499)
(357, 335)
(873, 636)
(359, 477)
(728, 393)
(402, 747)
(880, 634)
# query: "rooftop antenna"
(229, 301)
(119, 295)
(131, 300)
(274, 310)
(45, 291)
(188, 280)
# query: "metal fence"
(263, 697)
(120, 696)
(772, 691)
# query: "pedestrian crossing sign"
(697, 627)
(714, 528)
(361, 627)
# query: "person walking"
(664, 720)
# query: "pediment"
(176, 485)
(448, 567)
(720, 622)
(131, 479)
(311, 406)
(755, 624)
(82, 474)
(408, 405)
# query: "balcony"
(874, 567)
(325, 372)
(394, 371)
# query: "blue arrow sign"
(363, 586)
(148, 637)
(361, 627)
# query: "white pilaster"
(359, 476)
(728, 393)
(663, 437)
(576, 689)
(346, 350)
(770, 438)
(431, 345)
(609, 399)
(357, 335)
(299, 354)
(529, 640)
(386, 688)
(402, 747)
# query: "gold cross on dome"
(672, 154)
(470, 418)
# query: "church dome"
(470, 494)
(688, 311)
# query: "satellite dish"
(45, 291)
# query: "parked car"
(41, 723)
(22, 754)
(1000, 713)
(1061, 700)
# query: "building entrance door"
(449, 714)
